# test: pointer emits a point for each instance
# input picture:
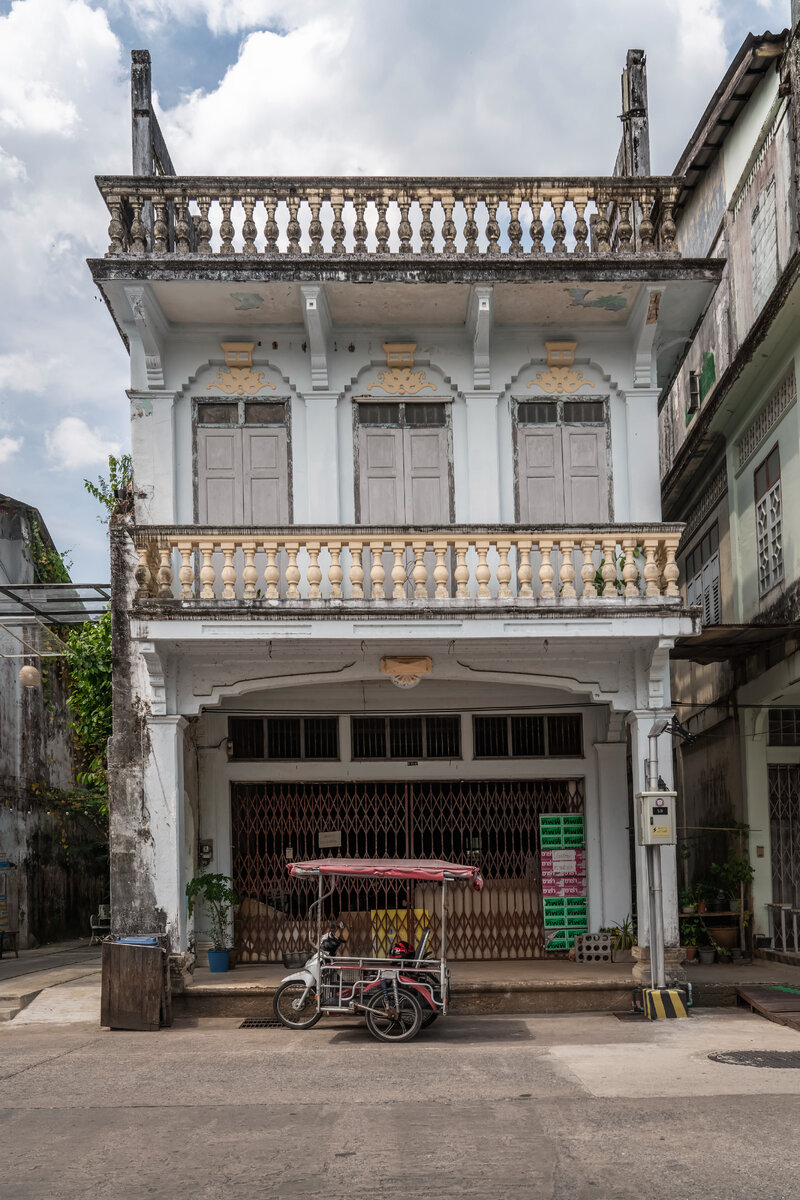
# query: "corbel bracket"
(644, 361)
(480, 316)
(156, 677)
(150, 326)
(657, 668)
(317, 318)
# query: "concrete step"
(9, 1010)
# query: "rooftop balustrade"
(189, 568)
(263, 218)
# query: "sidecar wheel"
(388, 1024)
(287, 997)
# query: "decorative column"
(483, 457)
(163, 800)
(153, 443)
(322, 443)
(643, 471)
(613, 903)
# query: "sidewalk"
(28, 983)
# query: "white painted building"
(390, 432)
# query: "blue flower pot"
(219, 960)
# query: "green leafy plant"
(116, 492)
(691, 932)
(619, 561)
(625, 934)
(88, 658)
(49, 565)
(219, 897)
(729, 875)
(687, 900)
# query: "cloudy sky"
(303, 86)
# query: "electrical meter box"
(656, 818)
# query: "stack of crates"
(562, 842)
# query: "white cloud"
(73, 444)
(8, 447)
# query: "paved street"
(570, 1108)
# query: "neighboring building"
(55, 867)
(387, 433)
(730, 453)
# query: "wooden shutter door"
(380, 453)
(541, 475)
(585, 481)
(219, 482)
(266, 476)
(427, 477)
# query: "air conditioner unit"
(694, 392)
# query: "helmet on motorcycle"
(401, 949)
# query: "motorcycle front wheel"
(291, 1010)
(390, 1024)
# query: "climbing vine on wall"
(88, 658)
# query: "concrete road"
(568, 1108)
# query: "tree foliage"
(49, 565)
(88, 656)
(113, 493)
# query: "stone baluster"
(537, 226)
(226, 230)
(426, 230)
(470, 226)
(668, 229)
(184, 226)
(461, 572)
(271, 225)
(624, 227)
(293, 230)
(204, 230)
(116, 230)
(138, 233)
(249, 572)
(335, 572)
(588, 570)
(608, 569)
(440, 571)
(142, 574)
(292, 571)
(338, 230)
(559, 229)
(164, 576)
(671, 571)
(314, 573)
(404, 230)
(504, 591)
(186, 572)
(492, 225)
(356, 571)
(483, 573)
(448, 225)
(566, 571)
(630, 571)
(377, 573)
(524, 569)
(546, 570)
(249, 229)
(272, 572)
(382, 230)
(646, 227)
(360, 230)
(207, 573)
(228, 571)
(420, 572)
(315, 231)
(602, 229)
(514, 225)
(398, 570)
(160, 227)
(580, 229)
(651, 571)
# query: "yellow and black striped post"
(662, 1003)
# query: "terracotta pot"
(689, 953)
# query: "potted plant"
(690, 932)
(687, 901)
(624, 940)
(730, 875)
(219, 898)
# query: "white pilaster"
(483, 457)
(322, 446)
(613, 867)
(643, 470)
(163, 798)
(641, 722)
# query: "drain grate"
(261, 1023)
(787, 1059)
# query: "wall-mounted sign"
(330, 839)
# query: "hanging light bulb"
(29, 677)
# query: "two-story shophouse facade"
(731, 471)
(398, 581)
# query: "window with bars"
(784, 727)
(283, 738)
(769, 521)
(406, 737)
(415, 414)
(568, 412)
(702, 576)
(241, 412)
(556, 735)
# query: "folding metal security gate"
(784, 829)
(492, 823)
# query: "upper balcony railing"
(402, 217)
(195, 567)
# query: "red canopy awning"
(432, 869)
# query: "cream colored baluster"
(546, 571)
(377, 573)
(186, 573)
(249, 573)
(164, 576)
(651, 571)
(272, 572)
(420, 572)
(142, 573)
(399, 570)
(671, 572)
(588, 571)
(228, 572)
(503, 571)
(567, 571)
(462, 570)
(207, 572)
(483, 571)
(292, 571)
(609, 568)
(314, 571)
(525, 570)
(440, 571)
(630, 572)
(335, 572)
(356, 571)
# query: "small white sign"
(330, 839)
